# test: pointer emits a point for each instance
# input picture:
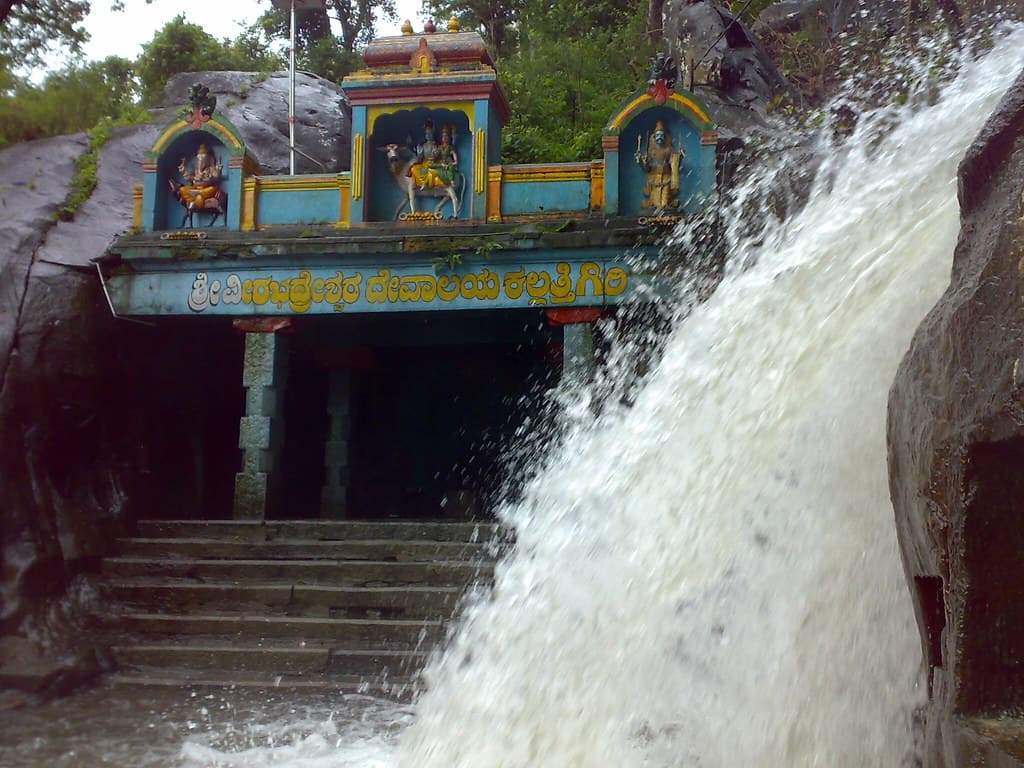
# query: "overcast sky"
(123, 33)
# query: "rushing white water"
(710, 577)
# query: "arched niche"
(169, 210)
(181, 139)
(405, 127)
(688, 126)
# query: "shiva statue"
(435, 164)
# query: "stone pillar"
(261, 429)
(578, 352)
(339, 402)
(577, 341)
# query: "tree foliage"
(565, 64)
(185, 47)
(317, 48)
(29, 29)
(575, 64)
(71, 100)
(496, 20)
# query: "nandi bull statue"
(429, 170)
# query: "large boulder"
(718, 49)
(91, 407)
(956, 462)
(258, 106)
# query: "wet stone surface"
(188, 728)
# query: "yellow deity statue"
(661, 162)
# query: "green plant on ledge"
(86, 166)
(460, 249)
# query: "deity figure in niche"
(435, 163)
(201, 190)
(661, 162)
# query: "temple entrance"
(431, 425)
(432, 405)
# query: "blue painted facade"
(484, 300)
(581, 277)
(448, 81)
(318, 204)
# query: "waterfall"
(709, 577)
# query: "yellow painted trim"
(597, 185)
(165, 137)
(248, 223)
(137, 206)
(379, 110)
(344, 200)
(358, 162)
(494, 193)
(234, 142)
(305, 183)
(675, 97)
(480, 162)
(515, 174)
(175, 127)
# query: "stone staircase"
(354, 606)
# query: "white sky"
(123, 33)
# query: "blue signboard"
(312, 289)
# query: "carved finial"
(453, 25)
(429, 27)
(662, 78)
(407, 27)
(201, 106)
(423, 59)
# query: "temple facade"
(397, 322)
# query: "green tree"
(496, 20)
(29, 29)
(573, 20)
(69, 101)
(317, 48)
(185, 47)
(576, 62)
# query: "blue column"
(481, 120)
(149, 201)
(234, 191)
(611, 181)
(360, 164)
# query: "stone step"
(270, 659)
(291, 549)
(321, 530)
(396, 688)
(364, 573)
(312, 632)
(323, 601)
(331, 605)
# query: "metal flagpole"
(290, 6)
(291, 97)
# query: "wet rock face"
(715, 48)
(92, 408)
(956, 461)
